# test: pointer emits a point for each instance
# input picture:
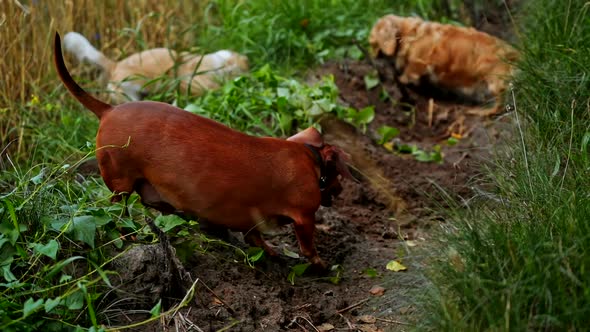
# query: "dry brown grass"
(116, 27)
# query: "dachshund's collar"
(320, 162)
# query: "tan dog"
(462, 60)
(127, 78)
(198, 167)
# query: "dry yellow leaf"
(411, 243)
(388, 146)
(325, 327)
(395, 266)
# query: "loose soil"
(386, 216)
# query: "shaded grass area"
(518, 260)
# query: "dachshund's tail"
(94, 105)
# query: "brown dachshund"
(462, 60)
(179, 162)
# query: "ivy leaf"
(422, 156)
(386, 134)
(371, 81)
(364, 116)
(166, 223)
(297, 271)
(84, 229)
(49, 250)
(50, 304)
(5, 266)
(31, 306)
(75, 301)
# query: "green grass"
(297, 34)
(519, 259)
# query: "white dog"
(128, 79)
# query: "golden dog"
(462, 60)
(128, 79)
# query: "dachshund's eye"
(143, 94)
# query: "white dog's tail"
(79, 46)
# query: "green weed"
(265, 103)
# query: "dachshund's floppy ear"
(339, 158)
(309, 136)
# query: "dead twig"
(190, 325)
(306, 305)
(392, 321)
(294, 321)
(456, 163)
(4, 151)
(308, 322)
(227, 307)
(350, 325)
(352, 306)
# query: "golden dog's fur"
(462, 60)
(127, 78)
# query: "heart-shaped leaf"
(75, 301)
(371, 81)
(49, 249)
(364, 116)
(31, 306)
(386, 133)
(84, 229)
(50, 304)
(166, 223)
